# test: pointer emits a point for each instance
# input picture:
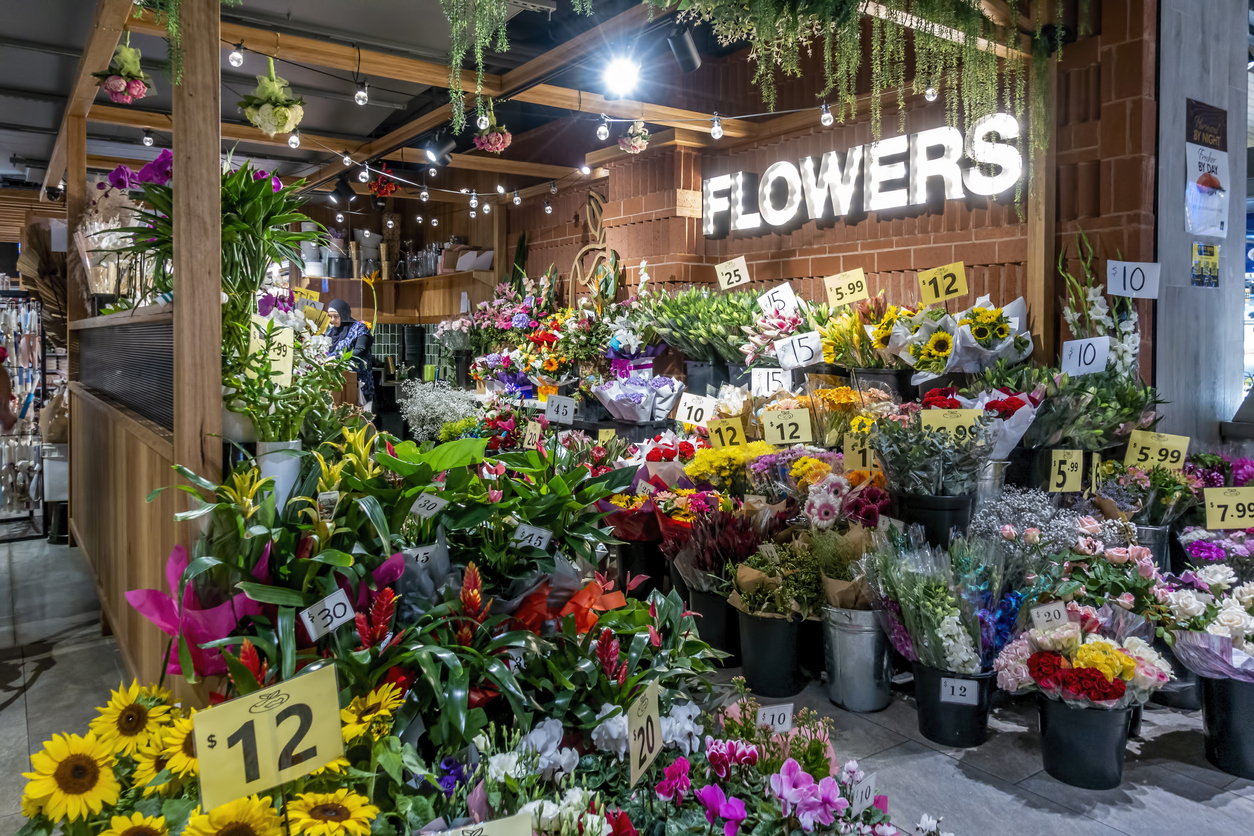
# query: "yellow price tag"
(941, 283)
(1229, 507)
(1066, 471)
(726, 432)
(845, 288)
(644, 732)
(858, 454)
(1094, 470)
(1147, 450)
(282, 351)
(305, 293)
(787, 426)
(531, 438)
(268, 737)
(319, 318)
(605, 435)
(957, 422)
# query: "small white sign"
(777, 717)
(422, 555)
(766, 382)
(1085, 356)
(1045, 616)
(960, 691)
(427, 505)
(329, 613)
(328, 501)
(1138, 279)
(695, 409)
(530, 535)
(862, 795)
(560, 409)
(779, 299)
(732, 274)
(645, 488)
(799, 350)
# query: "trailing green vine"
(168, 13)
(486, 19)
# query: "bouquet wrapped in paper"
(1211, 622)
(667, 391)
(1012, 414)
(627, 399)
(971, 341)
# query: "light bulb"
(603, 129)
(825, 116)
(435, 221)
(473, 213)
(474, 199)
(347, 160)
(236, 58)
(293, 139)
(391, 224)
(500, 189)
(583, 169)
(621, 75)
(930, 94)
(487, 208)
(418, 218)
(548, 210)
(147, 139)
(552, 187)
(716, 130)
(364, 174)
(431, 171)
(423, 195)
(362, 96)
(482, 121)
(339, 217)
(517, 199)
(465, 191)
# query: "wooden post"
(502, 259)
(198, 248)
(75, 273)
(1041, 211)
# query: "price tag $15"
(644, 732)
(799, 350)
(1229, 507)
(1045, 616)
(858, 455)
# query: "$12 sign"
(960, 691)
(644, 732)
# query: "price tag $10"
(1229, 507)
(694, 409)
(862, 795)
(778, 718)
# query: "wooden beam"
(670, 117)
(102, 39)
(476, 162)
(1042, 189)
(148, 120)
(909, 21)
(542, 189)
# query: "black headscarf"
(346, 319)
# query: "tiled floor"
(55, 668)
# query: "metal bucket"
(992, 482)
(859, 669)
(1157, 539)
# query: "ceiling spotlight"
(236, 58)
(621, 75)
(472, 213)
(364, 174)
(391, 224)
(362, 96)
(487, 208)
(474, 199)
(440, 150)
(147, 139)
(716, 129)
(339, 217)
(603, 129)
(500, 189)
(423, 195)
(552, 187)
(686, 55)
(431, 171)
(343, 193)
(418, 218)
(435, 221)
(583, 169)
(548, 210)
(482, 121)
(930, 94)
(517, 199)
(825, 116)
(293, 139)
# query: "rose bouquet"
(635, 139)
(493, 138)
(124, 80)
(1210, 622)
(454, 334)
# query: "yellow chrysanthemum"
(861, 424)
(1002, 331)
(137, 825)
(73, 777)
(180, 747)
(151, 761)
(940, 344)
(341, 813)
(980, 332)
(366, 713)
(1105, 657)
(809, 471)
(130, 719)
(250, 816)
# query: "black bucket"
(1228, 723)
(678, 584)
(1184, 692)
(739, 374)
(462, 358)
(1134, 723)
(769, 650)
(704, 379)
(1084, 747)
(888, 380)
(959, 724)
(937, 514)
(641, 558)
(811, 652)
(717, 625)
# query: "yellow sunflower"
(151, 761)
(364, 713)
(157, 694)
(1002, 331)
(940, 344)
(73, 777)
(250, 816)
(341, 813)
(988, 315)
(980, 332)
(137, 825)
(180, 747)
(336, 766)
(129, 720)
(32, 807)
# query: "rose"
(1031, 536)
(1236, 621)
(1126, 600)
(1217, 578)
(1139, 553)
(1089, 526)
(114, 84)
(1146, 569)
(137, 88)
(1008, 532)
(1088, 546)
(1117, 556)
(1069, 683)
(120, 98)
(1044, 663)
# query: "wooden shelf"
(148, 313)
(488, 277)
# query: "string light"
(391, 224)
(435, 221)
(364, 174)
(548, 210)
(487, 208)
(583, 169)
(500, 189)
(472, 213)
(716, 129)
(418, 218)
(603, 130)
(431, 171)
(423, 195)
(236, 58)
(474, 200)
(339, 217)
(147, 139)
(825, 116)
(362, 96)
(517, 199)
(930, 94)
(552, 187)
(482, 121)
(293, 139)
(347, 159)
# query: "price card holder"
(282, 352)
(560, 409)
(328, 501)
(726, 432)
(1229, 507)
(531, 438)
(941, 283)
(517, 825)
(787, 426)
(1080, 357)
(305, 293)
(1146, 450)
(530, 535)
(1137, 279)
(328, 614)
(957, 422)
(780, 299)
(778, 718)
(427, 505)
(732, 274)
(766, 382)
(263, 739)
(695, 409)
(644, 732)
(846, 288)
(1066, 471)
(959, 691)
(605, 435)
(1045, 616)
(799, 350)
(858, 454)
(862, 795)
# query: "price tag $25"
(732, 273)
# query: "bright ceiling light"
(621, 75)
(362, 96)
(293, 139)
(236, 58)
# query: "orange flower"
(550, 364)
(857, 477)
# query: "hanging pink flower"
(114, 84)
(121, 98)
(136, 88)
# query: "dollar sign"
(212, 741)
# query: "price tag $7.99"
(644, 732)
(1229, 507)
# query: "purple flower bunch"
(453, 774)
(675, 783)
(157, 172)
(1202, 550)
(1242, 471)
(718, 805)
(811, 802)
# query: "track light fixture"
(621, 75)
(685, 51)
(343, 193)
(440, 151)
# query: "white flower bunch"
(959, 649)
(611, 734)
(929, 826)
(570, 815)
(544, 741)
(680, 729)
(1227, 611)
(428, 406)
(1088, 314)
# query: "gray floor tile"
(42, 610)
(6, 599)
(853, 735)
(13, 738)
(65, 685)
(11, 824)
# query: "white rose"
(1245, 594)
(1217, 629)
(1217, 577)
(1185, 604)
(1234, 620)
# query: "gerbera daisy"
(137, 825)
(363, 712)
(341, 813)
(550, 364)
(861, 424)
(151, 761)
(180, 747)
(73, 777)
(250, 816)
(940, 344)
(130, 719)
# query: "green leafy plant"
(931, 462)
(704, 326)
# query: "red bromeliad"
(374, 628)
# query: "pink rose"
(1139, 553)
(120, 98)
(1089, 526)
(1146, 568)
(1126, 600)
(1031, 536)
(114, 84)
(1088, 546)
(137, 88)
(1008, 532)
(1117, 556)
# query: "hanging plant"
(492, 137)
(124, 81)
(271, 106)
(383, 185)
(636, 139)
(486, 19)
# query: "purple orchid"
(123, 177)
(159, 171)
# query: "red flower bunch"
(1091, 683)
(1033, 399)
(1045, 665)
(865, 506)
(1004, 408)
(383, 185)
(686, 450)
(607, 653)
(542, 338)
(943, 398)
(373, 628)
(661, 454)
(620, 824)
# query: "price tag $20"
(1045, 616)
(644, 732)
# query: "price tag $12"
(787, 426)
(960, 691)
(726, 432)
(941, 283)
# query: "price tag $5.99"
(694, 409)
(1147, 450)
(787, 426)
(1066, 471)
(268, 737)
(644, 732)
(846, 288)
(1229, 507)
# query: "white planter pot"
(283, 468)
(236, 427)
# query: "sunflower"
(32, 807)
(180, 747)
(151, 761)
(1002, 331)
(980, 332)
(137, 825)
(157, 694)
(341, 813)
(940, 344)
(250, 816)
(130, 719)
(988, 315)
(335, 767)
(73, 777)
(363, 713)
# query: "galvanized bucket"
(859, 668)
(992, 482)
(1157, 539)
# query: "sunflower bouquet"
(932, 343)
(858, 336)
(989, 326)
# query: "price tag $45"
(530, 535)
(1229, 507)
(560, 408)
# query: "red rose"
(1048, 684)
(686, 449)
(1069, 683)
(941, 399)
(655, 455)
(1092, 682)
(1044, 663)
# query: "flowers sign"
(124, 81)
(271, 107)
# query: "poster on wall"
(1204, 264)
(1206, 169)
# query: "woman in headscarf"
(347, 333)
